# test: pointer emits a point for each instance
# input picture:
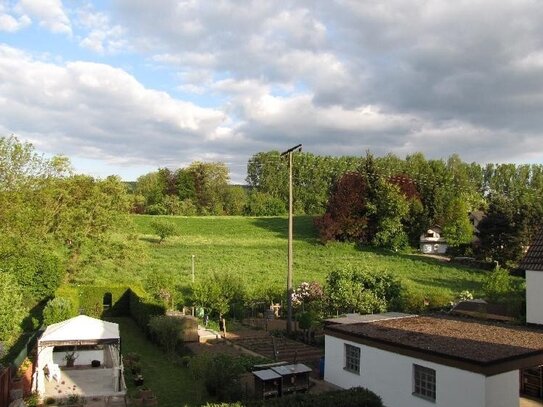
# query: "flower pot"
(95, 363)
(145, 393)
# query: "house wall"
(502, 390)
(85, 357)
(534, 299)
(439, 248)
(390, 376)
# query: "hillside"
(255, 249)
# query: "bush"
(164, 228)
(38, 273)
(57, 310)
(355, 397)
(12, 310)
(264, 204)
(220, 373)
(416, 301)
(167, 331)
(362, 291)
(497, 285)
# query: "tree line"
(384, 201)
(54, 226)
(200, 189)
(389, 201)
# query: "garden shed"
(95, 347)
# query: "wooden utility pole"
(289, 272)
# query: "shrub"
(167, 331)
(264, 204)
(220, 373)
(362, 291)
(355, 397)
(38, 273)
(164, 228)
(56, 310)
(417, 301)
(497, 285)
(12, 310)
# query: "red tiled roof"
(533, 260)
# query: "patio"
(86, 382)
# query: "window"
(424, 382)
(352, 358)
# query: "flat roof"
(356, 318)
(291, 369)
(266, 374)
(479, 346)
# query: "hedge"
(355, 397)
(142, 310)
(125, 301)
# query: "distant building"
(432, 242)
(417, 361)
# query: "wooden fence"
(5, 375)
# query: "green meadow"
(255, 249)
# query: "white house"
(432, 242)
(417, 361)
(533, 264)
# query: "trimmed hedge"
(125, 301)
(142, 310)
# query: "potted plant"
(75, 400)
(138, 380)
(70, 358)
(135, 368)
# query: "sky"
(127, 86)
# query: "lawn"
(173, 385)
(255, 249)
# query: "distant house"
(417, 361)
(432, 242)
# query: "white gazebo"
(92, 340)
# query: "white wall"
(503, 390)
(85, 357)
(390, 376)
(534, 299)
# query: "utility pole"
(289, 273)
(193, 269)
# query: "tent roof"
(81, 328)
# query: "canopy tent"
(80, 330)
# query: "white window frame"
(424, 382)
(352, 358)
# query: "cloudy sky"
(127, 86)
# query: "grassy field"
(255, 249)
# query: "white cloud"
(102, 37)
(10, 22)
(97, 111)
(49, 13)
